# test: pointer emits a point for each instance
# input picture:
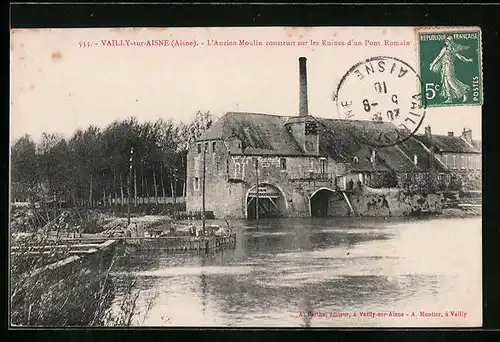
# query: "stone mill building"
(302, 166)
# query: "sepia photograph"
(246, 177)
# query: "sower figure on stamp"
(444, 65)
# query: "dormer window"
(311, 128)
(309, 147)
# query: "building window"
(309, 147)
(462, 162)
(454, 162)
(206, 147)
(445, 159)
(227, 167)
(237, 170)
(469, 162)
(214, 145)
(311, 164)
(323, 165)
(196, 184)
(283, 163)
(311, 128)
(199, 148)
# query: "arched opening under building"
(270, 199)
(327, 203)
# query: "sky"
(66, 79)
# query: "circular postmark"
(383, 99)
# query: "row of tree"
(94, 164)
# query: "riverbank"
(472, 211)
(56, 274)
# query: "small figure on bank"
(360, 185)
(351, 185)
(385, 204)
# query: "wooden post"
(256, 189)
(128, 186)
(174, 192)
(135, 186)
(203, 190)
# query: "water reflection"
(307, 309)
(283, 268)
(203, 287)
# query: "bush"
(73, 294)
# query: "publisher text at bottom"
(382, 314)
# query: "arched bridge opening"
(326, 202)
(269, 201)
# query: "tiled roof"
(264, 134)
(477, 145)
(445, 143)
(412, 147)
(337, 141)
(259, 133)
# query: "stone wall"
(337, 206)
(229, 178)
(395, 202)
(225, 199)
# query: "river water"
(341, 272)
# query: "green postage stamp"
(450, 67)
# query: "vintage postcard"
(246, 177)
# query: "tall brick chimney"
(303, 106)
(450, 134)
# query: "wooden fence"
(144, 200)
